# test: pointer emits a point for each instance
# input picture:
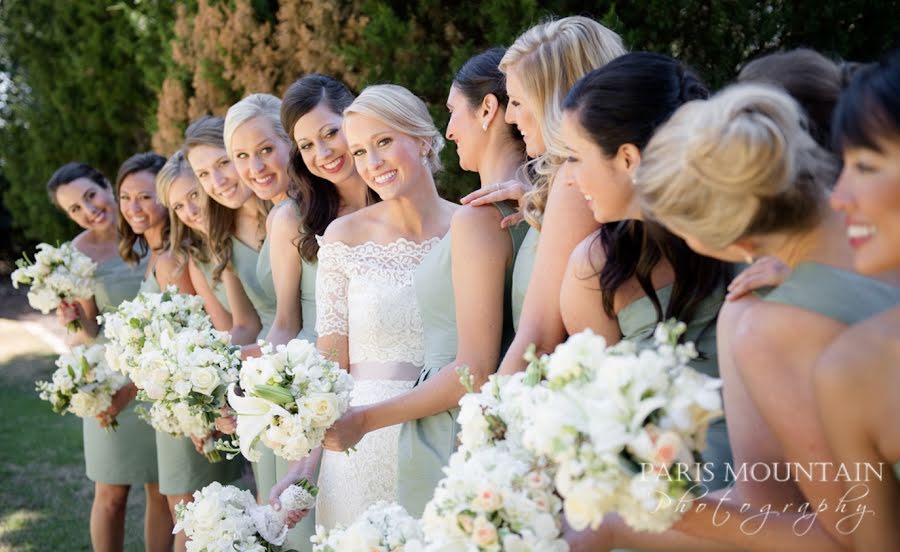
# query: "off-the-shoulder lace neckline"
(398, 241)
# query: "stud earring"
(748, 258)
(484, 126)
(424, 160)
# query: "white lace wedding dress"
(365, 292)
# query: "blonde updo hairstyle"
(740, 164)
(404, 112)
(550, 58)
(266, 106)
(184, 242)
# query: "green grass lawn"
(45, 498)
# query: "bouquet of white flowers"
(621, 426)
(291, 395)
(222, 517)
(57, 274)
(495, 414)
(140, 323)
(82, 384)
(383, 526)
(492, 500)
(167, 345)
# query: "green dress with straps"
(218, 288)
(182, 470)
(522, 270)
(246, 264)
(126, 456)
(841, 295)
(270, 469)
(637, 322)
(427, 443)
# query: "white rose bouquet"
(136, 327)
(621, 426)
(57, 274)
(82, 384)
(383, 526)
(492, 500)
(166, 343)
(222, 517)
(291, 395)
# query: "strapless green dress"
(638, 320)
(126, 456)
(427, 443)
(182, 470)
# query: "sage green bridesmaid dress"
(246, 264)
(182, 470)
(218, 287)
(126, 456)
(270, 468)
(427, 443)
(522, 270)
(638, 320)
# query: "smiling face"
(868, 193)
(88, 204)
(521, 112)
(138, 204)
(187, 204)
(322, 144)
(218, 176)
(389, 161)
(604, 181)
(261, 158)
(465, 130)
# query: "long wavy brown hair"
(133, 247)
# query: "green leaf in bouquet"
(85, 365)
(71, 372)
(231, 447)
(135, 323)
(466, 379)
(307, 486)
(273, 393)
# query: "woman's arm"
(166, 274)
(221, 318)
(481, 252)
(581, 299)
(245, 325)
(567, 220)
(286, 274)
(857, 384)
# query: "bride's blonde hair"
(550, 58)
(739, 164)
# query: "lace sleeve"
(331, 290)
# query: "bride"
(368, 319)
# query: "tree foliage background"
(97, 81)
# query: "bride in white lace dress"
(367, 316)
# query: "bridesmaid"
(114, 460)
(182, 469)
(259, 148)
(745, 156)
(204, 147)
(177, 192)
(328, 187)
(540, 67)
(631, 274)
(860, 367)
(206, 229)
(467, 329)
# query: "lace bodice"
(365, 292)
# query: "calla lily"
(254, 415)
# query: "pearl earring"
(484, 126)
(424, 160)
